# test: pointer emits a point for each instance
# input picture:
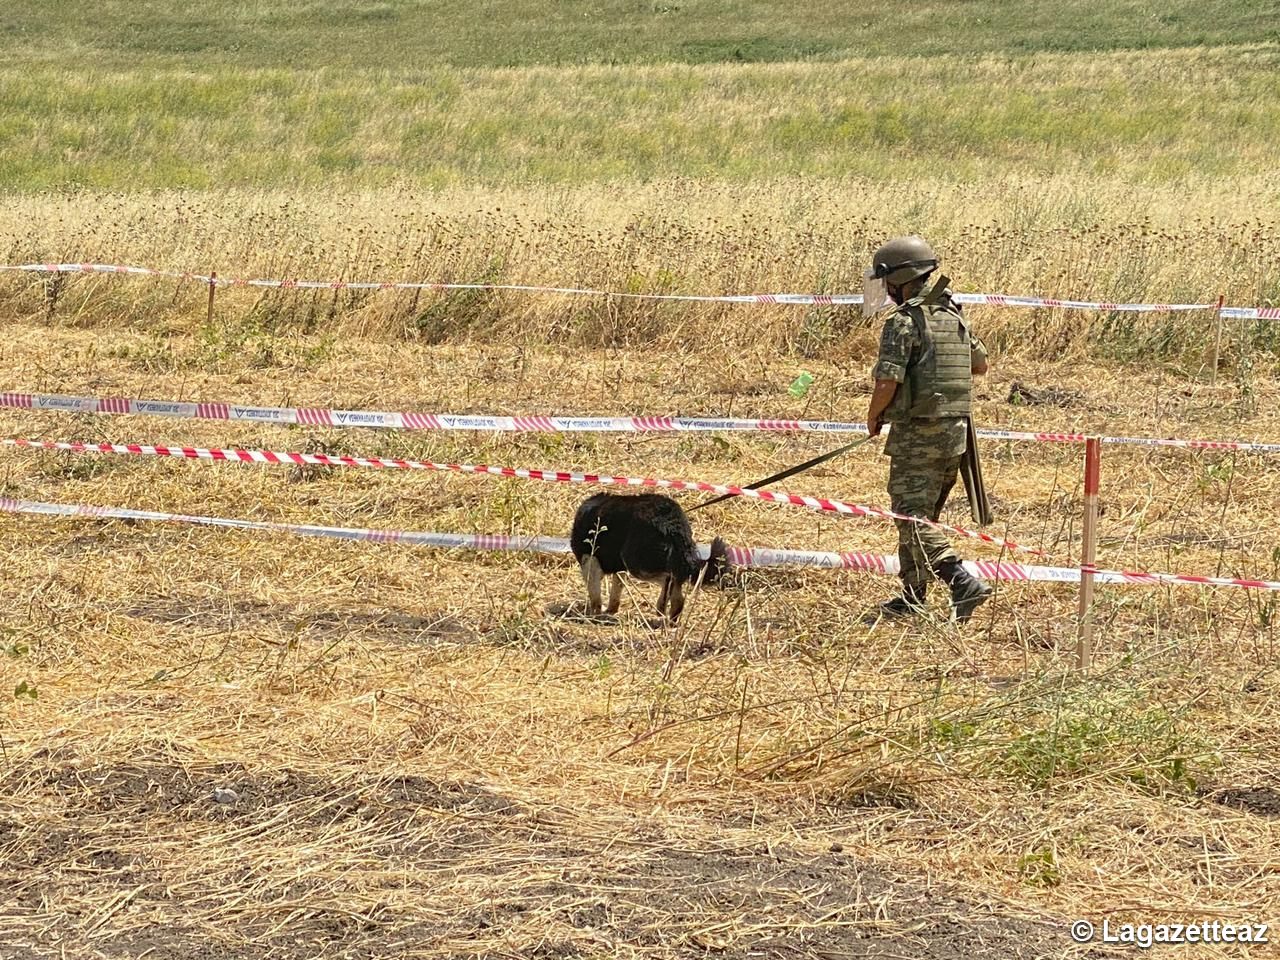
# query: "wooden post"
(1217, 340)
(52, 289)
(1084, 623)
(213, 288)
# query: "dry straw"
(1050, 237)
(414, 759)
(421, 761)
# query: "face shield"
(875, 294)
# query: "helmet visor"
(875, 293)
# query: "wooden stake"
(1217, 340)
(1084, 623)
(53, 289)
(213, 288)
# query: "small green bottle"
(800, 385)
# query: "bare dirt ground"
(446, 867)
(234, 745)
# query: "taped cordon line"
(786, 299)
(531, 423)
(1250, 313)
(517, 473)
(753, 557)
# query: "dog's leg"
(675, 599)
(615, 594)
(662, 597)
(592, 574)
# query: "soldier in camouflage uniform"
(923, 386)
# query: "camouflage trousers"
(919, 483)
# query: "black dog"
(647, 536)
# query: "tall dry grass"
(1063, 237)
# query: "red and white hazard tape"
(1245, 446)
(326, 417)
(1250, 313)
(789, 299)
(785, 299)
(740, 556)
(533, 423)
(548, 476)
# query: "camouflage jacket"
(901, 346)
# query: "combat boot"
(910, 604)
(967, 591)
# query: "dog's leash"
(789, 472)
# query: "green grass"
(400, 34)
(130, 94)
(1157, 116)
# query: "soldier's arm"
(896, 341)
(881, 397)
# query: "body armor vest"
(939, 382)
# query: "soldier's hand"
(874, 426)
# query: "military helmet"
(903, 259)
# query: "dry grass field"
(425, 762)
(1067, 237)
